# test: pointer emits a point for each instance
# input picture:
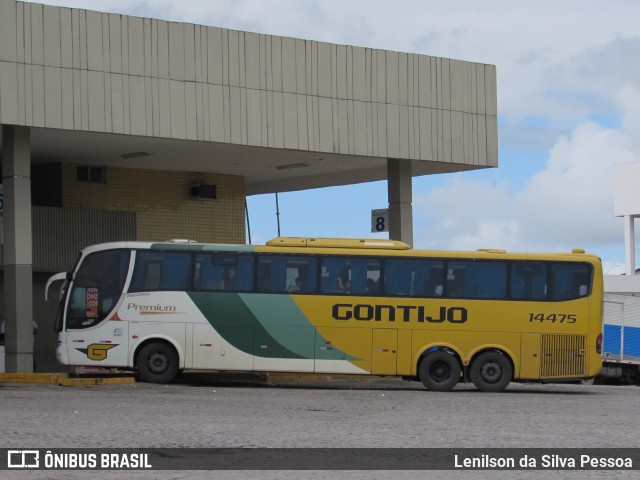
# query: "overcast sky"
(568, 110)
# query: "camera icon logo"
(23, 459)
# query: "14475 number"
(552, 317)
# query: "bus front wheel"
(157, 363)
(491, 372)
(439, 371)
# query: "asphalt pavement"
(341, 413)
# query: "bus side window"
(456, 280)
(415, 278)
(287, 274)
(350, 276)
(336, 276)
(476, 279)
(152, 276)
(224, 272)
(529, 281)
(156, 271)
(570, 281)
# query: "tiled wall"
(162, 200)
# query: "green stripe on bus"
(236, 323)
(283, 319)
(271, 326)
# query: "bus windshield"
(97, 287)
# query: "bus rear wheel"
(491, 372)
(439, 371)
(157, 363)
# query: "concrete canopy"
(287, 114)
(265, 170)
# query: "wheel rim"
(491, 372)
(157, 362)
(440, 372)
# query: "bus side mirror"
(68, 276)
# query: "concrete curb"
(62, 379)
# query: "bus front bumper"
(62, 354)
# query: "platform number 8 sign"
(380, 220)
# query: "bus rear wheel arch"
(491, 371)
(439, 370)
(157, 362)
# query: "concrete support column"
(400, 200)
(630, 244)
(18, 281)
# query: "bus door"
(384, 351)
(93, 332)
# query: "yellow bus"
(334, 306)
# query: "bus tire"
(439, 371)
(157, 363)
(491, 371)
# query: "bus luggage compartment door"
(213, 351)
(384, 352)
(529, 357)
